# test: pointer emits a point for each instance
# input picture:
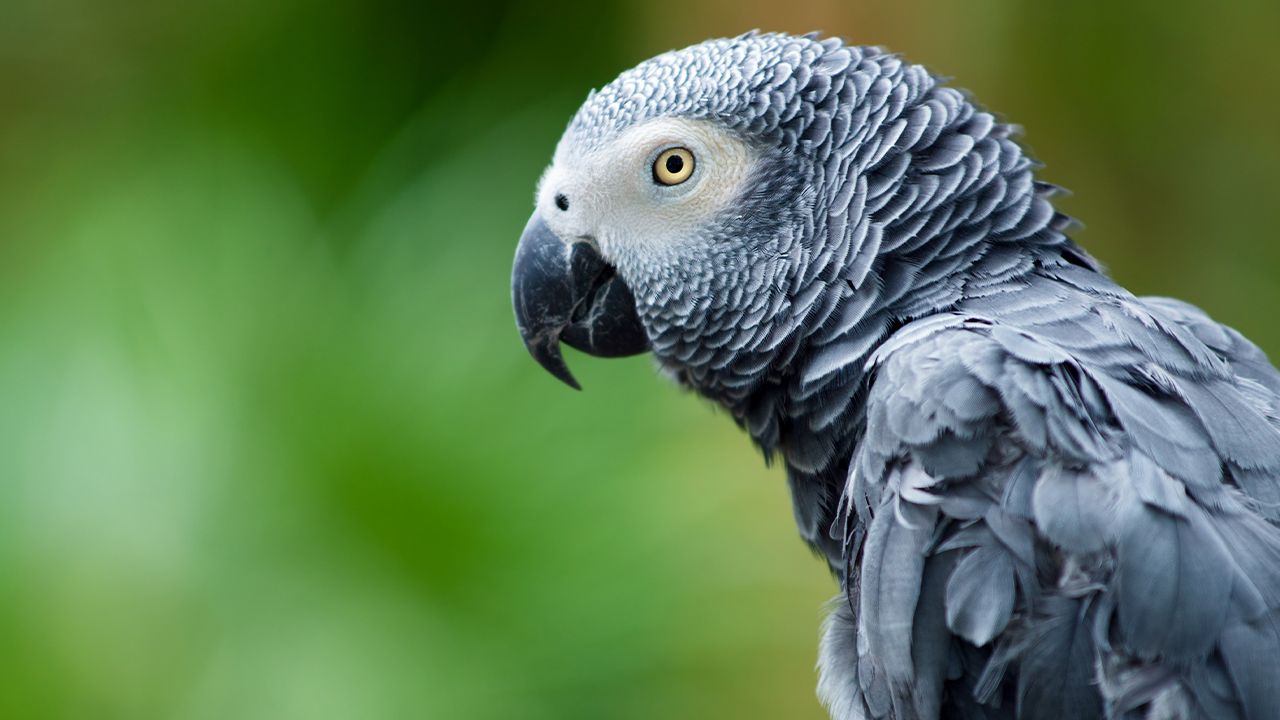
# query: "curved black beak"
(564, 291)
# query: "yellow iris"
(673, 166)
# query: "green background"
(270, 446)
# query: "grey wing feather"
(930, 637)
(980, 593)
(1056, 678)
(892, 569)
(1071, 509)
(1249, 651)
(1173, 586)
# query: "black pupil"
(675, 164)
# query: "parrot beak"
(564, 291)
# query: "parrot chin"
(565, 292)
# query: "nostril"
(562, 202)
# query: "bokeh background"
(270, 446)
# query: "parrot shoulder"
(1061, 504)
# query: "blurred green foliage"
(269, 444)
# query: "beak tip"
(546, 351)
(563, 375)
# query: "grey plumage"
(1043, 496)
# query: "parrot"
(1043, 497)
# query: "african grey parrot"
(1043, 497)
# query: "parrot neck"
(838, 261)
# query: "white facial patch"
(613, 196)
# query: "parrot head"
(761, 211)
(629, 228)
(672, 215)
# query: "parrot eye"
(673, 166)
